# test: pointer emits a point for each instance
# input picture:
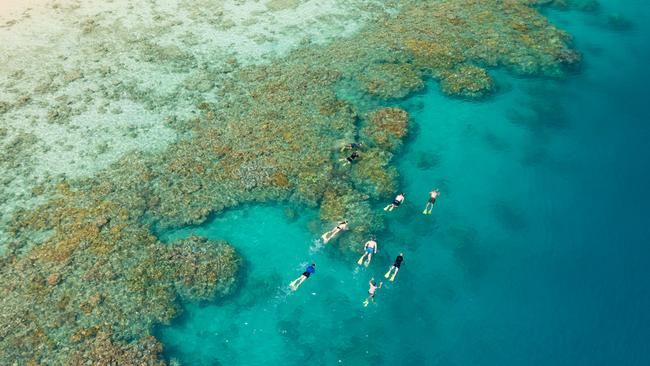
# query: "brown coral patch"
(386, 127)
(467, 81)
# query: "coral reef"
(101, 349)
(84, 279)
(467, 81)
(92, 288)
(461, 37)
(386, 127)
(392, 80)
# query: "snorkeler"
(352, 146)
(350, 158)
(395, 266)
(396, 202)
(343, 225)
(369, 249)
(371, 291)
(432, 200)
(305, 275)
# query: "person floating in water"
(395, 266)
(396, 202)
(352, 146)
(305, 275)
(371, 291)
(432, 200)
(350, 158)
(369, 249)
(343, 225)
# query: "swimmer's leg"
(369, 259)
(394, 274)
(300, 281)
(360, 261)
(365, 302)
(293, 284)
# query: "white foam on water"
(316, 246)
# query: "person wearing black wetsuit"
(350, 158)
(395, 266)
(396, 202)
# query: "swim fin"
(393, 278)
(365, 303)
(387, 273)
(386, 208)
(360, 261)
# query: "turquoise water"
(535, 252)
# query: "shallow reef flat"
(83, 83)
(83, 276)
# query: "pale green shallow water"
(533, 254)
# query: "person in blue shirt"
(352, 146)
(305, 275)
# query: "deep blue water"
(536, 253)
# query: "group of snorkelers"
(371, 246)
(399, 199)
(354, 147)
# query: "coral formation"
(467, 81)
(91, 290)
(386, 127)
(392, 80)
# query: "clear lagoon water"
(536, 252)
